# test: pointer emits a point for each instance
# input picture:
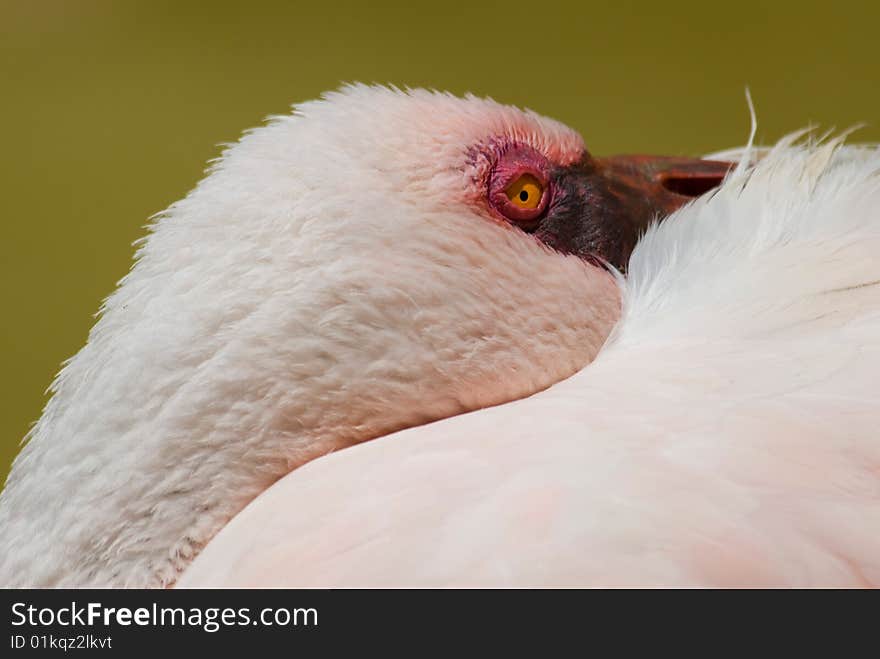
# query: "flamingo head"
(374, 261)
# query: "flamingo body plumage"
(728, 433)
(535, 418)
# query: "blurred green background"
(110, 109)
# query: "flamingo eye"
(525, 192)
(519, 187)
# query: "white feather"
(727, 434)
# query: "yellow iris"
(525, 192)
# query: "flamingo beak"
(650, 188)
(605, 204)
(664, 183)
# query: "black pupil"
(523, 195)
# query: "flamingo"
(388, 341)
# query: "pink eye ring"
(519, 189)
